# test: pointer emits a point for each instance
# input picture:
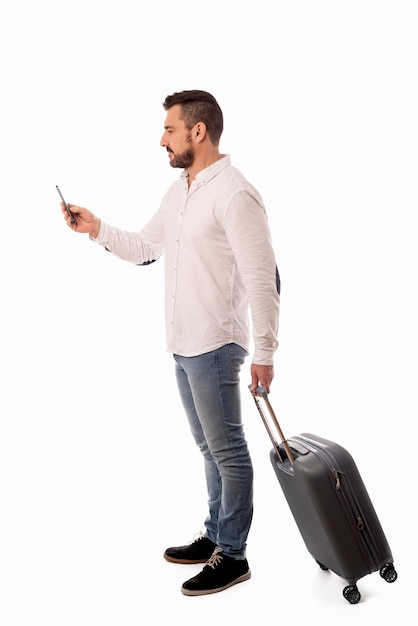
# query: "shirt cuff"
(263, 357)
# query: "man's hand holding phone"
(79, 219)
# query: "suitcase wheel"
(352, 594)
(324, 567)
(389, 573)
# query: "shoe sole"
(172, 559)
(204, 592)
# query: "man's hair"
(198, 106)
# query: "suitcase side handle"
(261, 391)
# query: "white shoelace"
(215, 559)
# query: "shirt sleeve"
(141, 247)
(249, 235)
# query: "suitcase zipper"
(337, 478)
(347, 499)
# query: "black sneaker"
(219, 573)
(198, 551)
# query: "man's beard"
(183, 160)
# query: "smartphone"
(73, 220)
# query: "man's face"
(177, 140)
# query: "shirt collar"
(208, 173)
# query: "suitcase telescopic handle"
(261, 391)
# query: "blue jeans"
(210, 392)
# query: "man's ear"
(199, 131)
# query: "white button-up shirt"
(219, 263)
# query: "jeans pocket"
(237, 357)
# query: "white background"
(98, 471)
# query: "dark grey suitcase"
(330, 504)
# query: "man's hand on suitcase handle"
(258, 392)
(261, 375)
